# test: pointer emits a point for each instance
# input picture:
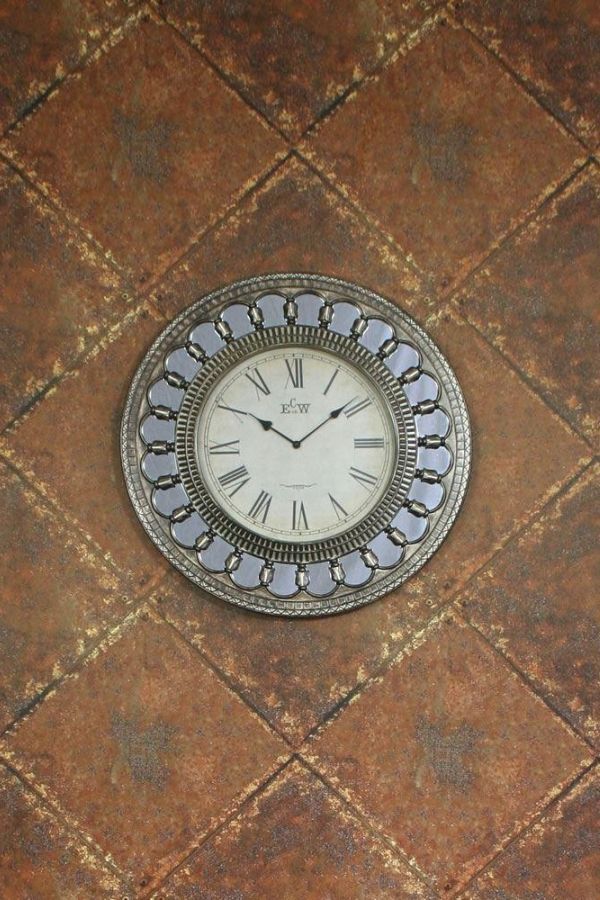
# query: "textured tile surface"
(293, 60)
(465, 150)
(49, 614)
(56, 296)
(296, 840)
(40, 858)
(425, 751)
(558, 858)
(554, 47)
(539, 604)
(538, 301)
(145, 726)
(161, 169)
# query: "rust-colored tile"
(56, 598)
(449, 752)
(554, 47)
(508, 484)
(297, 841)
(445, 150)
(292, 61)
(558, 859)
(539, 604)
(146, 146)
(295, 672)
(145, 748)
(39, 858)
(538, 301)
(42, 40)
(294, 224)
(70, 445)
(56, 296)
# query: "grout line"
(223, 677)
(220, 826)
(522, 833)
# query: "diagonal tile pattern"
(145, 169)
(149, 727)
(466, 151)
(152, 152)
(425, 751)
(310, 845)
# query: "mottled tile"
(145, 747)
(294, 224)
(56, 597)
(292, 61)
(69, 444)
(448, 752)
(553, 46)
(539, 604)
(39, 858)
(56, 296)
(558, 858)
(445, 150)
(299, 841)
(537, 300)
(146, 146)
(41, 41)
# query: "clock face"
(296, 444)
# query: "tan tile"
(449, 753)
(144, 748)
(128, 146)
(537, 300)
(538, 604)
(445, 151)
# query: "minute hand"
(266, 424)
(332, 415)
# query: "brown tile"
(507, 484)
(70, 445)
(40, 41)
(537, 300)
(146, 146)
(445, 150)
(554, 47)
(539, 604)
(292, 61)
(56, 296)
(145, 747)
(448, 752)
(295, 672)
(294, 224)
(56, 598)
(558, 858)
(297, 841)
(38, 856)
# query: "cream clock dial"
(295, 445)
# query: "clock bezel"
(295, 337)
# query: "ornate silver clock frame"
(212, 549)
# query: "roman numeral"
(338, 508)
(357, 407)
(295, 372)
(227, 448)
(365, 478)
(331, 380)
(235, 479)
(259, 383)
(260, 507)
(299, 520)
(368, 443)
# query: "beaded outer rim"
(345, 598)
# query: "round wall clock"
(295, 444)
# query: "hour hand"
(332, 415)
